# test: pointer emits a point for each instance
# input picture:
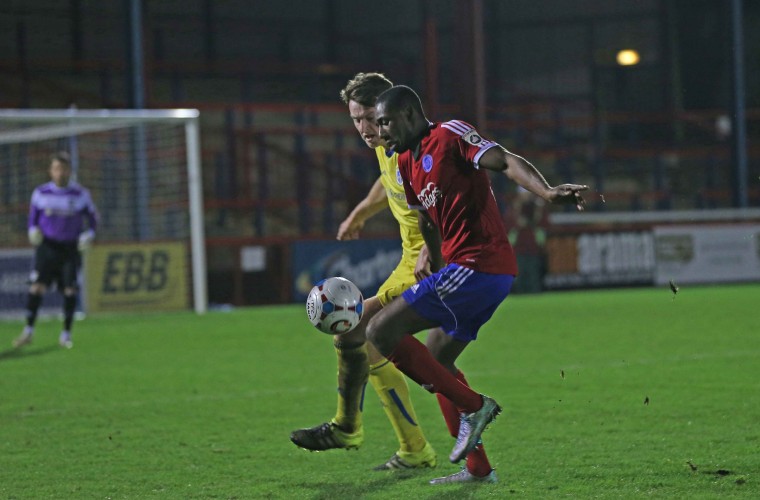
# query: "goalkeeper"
(57, 218)
(358, 360)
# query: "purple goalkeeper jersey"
(60, 212)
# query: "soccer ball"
(335, 305)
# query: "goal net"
(142, 168)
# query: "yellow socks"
(391, 386)
(353, 370)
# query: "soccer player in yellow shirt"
(358, 360)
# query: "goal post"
(143, 169)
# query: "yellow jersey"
(411, 238)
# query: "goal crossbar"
(45, 124)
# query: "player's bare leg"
(33, 301)
(390, 331)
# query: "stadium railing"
(277, 173)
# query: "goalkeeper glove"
(35, 235)
(85, 240)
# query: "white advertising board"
(707, 254)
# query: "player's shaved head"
(364, 88)
(400, 97)
(400, 119)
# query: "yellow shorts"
(400, 279)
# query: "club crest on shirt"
(399, 180)
(472, 137)
(427, 163)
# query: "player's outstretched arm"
(373, 203)
(524, 174)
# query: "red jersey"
(445, 180)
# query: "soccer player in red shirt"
(443, 170)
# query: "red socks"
(477, 461)
(453, 393)
(414, 359)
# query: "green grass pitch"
(624, 393)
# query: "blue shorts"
(459, 299)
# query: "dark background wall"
(53, 53)
(281, 161)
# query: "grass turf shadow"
(25, 352)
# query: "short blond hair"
(364, 88)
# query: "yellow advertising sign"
(136, 277)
